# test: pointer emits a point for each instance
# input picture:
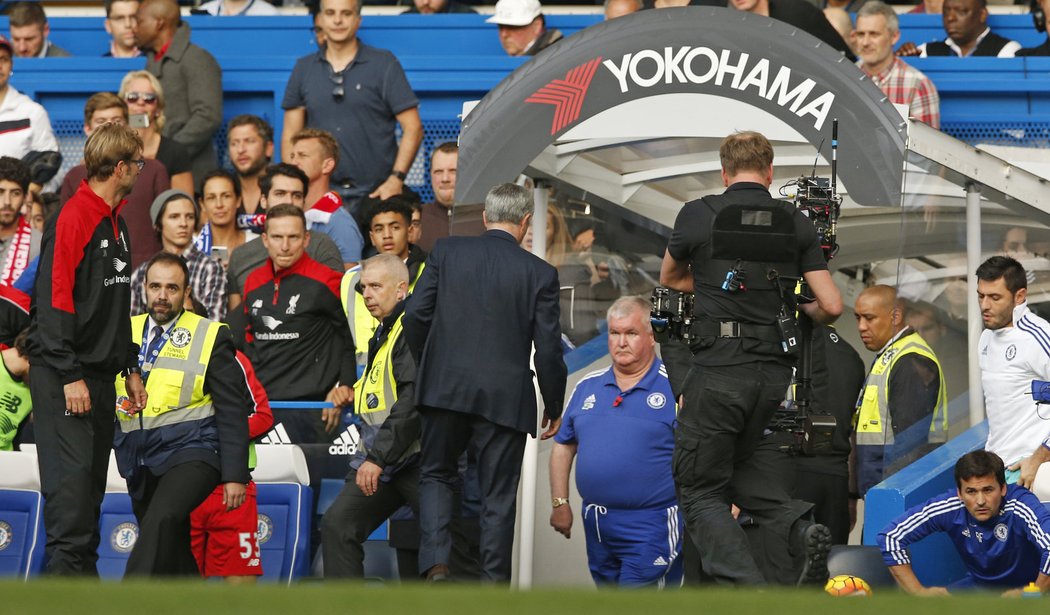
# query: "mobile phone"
(138, 120)
(221, 254)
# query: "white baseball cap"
(516, 12)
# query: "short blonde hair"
(107, 146)
(325, 138)
(745, 151)
(157, 87)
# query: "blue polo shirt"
(344, 232)
(1006, 551)
(375, 90)
(623, 459)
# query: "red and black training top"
(79, 316)
(297, 334)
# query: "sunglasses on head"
(134, 97)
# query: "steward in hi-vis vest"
(388, 229)
(902, 411)
(193, 431)
(384, 471)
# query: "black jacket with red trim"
(297, 336)
(79, 315)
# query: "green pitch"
(184, 598)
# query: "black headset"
(1038, 16)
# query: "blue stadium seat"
(21, 516)
(285, 503)
(118, 528)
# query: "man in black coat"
(480, 305)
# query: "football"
(847, 585)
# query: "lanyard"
(146, 363)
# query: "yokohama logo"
(567, 94)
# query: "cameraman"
(740, 371)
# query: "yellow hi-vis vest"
(360, 321)
(376, 391)
(175, 386)
(873, 412)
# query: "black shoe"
(816, 543)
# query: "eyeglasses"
(139, 162)
(134, 97)
(337, 79)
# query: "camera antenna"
(834, 152)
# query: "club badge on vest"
(180, 337)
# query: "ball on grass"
(847, 585)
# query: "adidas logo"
(346, 443)
(660, 561)
(277, 435)
(589, 402)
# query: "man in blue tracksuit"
(1002, 533)
(620, 423)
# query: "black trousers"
(163, 512)
(73, 454)
(353, 516)
(726, 410)
(498, 451)
(829, 494)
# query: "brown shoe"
(437, 573)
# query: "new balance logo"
(346, 443)
(119, 265)
(103, 244)
(257, 304)
(660, 561)
(271, 322)
(277, 435)
(567, 94)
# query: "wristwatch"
(132, 370)
(399, 174)
(557, 502)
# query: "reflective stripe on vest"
(360, 321)
(376, 391)
(873, 411)
(175, 387)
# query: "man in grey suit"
(478, 308)
(191, 78)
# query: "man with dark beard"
(192, 433)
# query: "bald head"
(161, 9)
(880, 316)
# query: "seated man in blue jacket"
(1002, 533)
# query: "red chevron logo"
(567, 94)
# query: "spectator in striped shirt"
(1001, 532)
(175, 215)
(876, 32)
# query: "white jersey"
(1010, 359)
(24, 126)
